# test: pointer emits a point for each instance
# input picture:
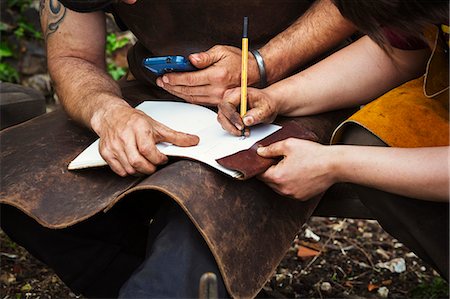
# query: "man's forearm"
(76, 61)
(85, 90)
(318, 30)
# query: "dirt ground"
(331, 258)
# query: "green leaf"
(112, 43)
(8, 73)
(116, 72)
(26, 288)
(5, 50)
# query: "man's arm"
(318, 30)
(76, 61)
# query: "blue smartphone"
(167, 64)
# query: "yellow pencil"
(244, 70)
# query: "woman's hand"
(306, 169)
(262, 109)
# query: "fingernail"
(261, 150)
(159, 83)
(248, 120)
(238, 126)
(196, 57)
(165, 79)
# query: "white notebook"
(215, 143)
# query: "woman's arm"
(352, 76)
(309, 168)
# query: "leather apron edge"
(427, 70)
(337, 133)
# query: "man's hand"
(305, 171)
(128, 139)
(262, 109)
(220, 69)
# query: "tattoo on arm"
(55, 15)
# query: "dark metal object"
(208, 286)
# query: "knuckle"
(135, 162)
(216, 48)
(130, 170)
(221, 75)
(146, 149)
(289, 143)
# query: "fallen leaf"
(7, 278)
(386, 282)
(371, 287)
(306, 253)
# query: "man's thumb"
(202, 60)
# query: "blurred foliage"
(438, 288)
(114, 43)
(115, 71)
(21, 5)
(23, 30)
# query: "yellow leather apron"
(415, 114)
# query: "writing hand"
(128, 139)
(261, 110)
(305, 170)
(220, 69)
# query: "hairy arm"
(319, 29)
(76, 61)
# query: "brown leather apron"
(414, 114)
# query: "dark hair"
(407, 17)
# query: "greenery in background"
(114, 43)
(24, 30)
(437, 289)
(21, 5)
(21, 30)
